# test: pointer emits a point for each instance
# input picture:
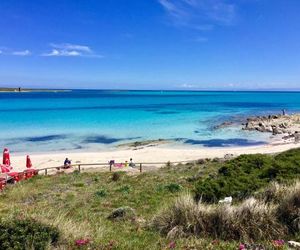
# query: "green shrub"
(244, 175)
(173, 187)
(76, 172)
(101, 193)
(78, 184)
(124, 189)
(27, 234)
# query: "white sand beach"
(145, 155)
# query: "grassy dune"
(78, 206)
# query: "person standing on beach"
(283, 112)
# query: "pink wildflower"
(242, 247)
(172, 245)
(278, 243)
(82, 242)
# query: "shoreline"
(147, 155)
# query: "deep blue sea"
(97, 119)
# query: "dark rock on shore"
(276, 124)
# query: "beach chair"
(2, 182)
(16, 176)
(28, 173)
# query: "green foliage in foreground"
(244, 175)
(78, 205)
(26, 234)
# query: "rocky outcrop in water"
(288, 125)
(282, 124)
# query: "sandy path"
(146, 154)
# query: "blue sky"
(150, 44)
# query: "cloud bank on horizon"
(157, 44)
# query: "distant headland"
(19, 89)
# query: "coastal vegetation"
(175, 207)
(245, 174)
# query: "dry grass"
(274, 214)
(288, 210)
(69, 228)
(287, 198)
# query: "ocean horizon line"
(153, 90)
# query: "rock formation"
(287, 125)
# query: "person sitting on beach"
(67, 163)
(131, 164)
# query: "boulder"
(122, 213)
(276, 130)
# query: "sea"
(91, 120)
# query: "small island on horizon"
(19, 89)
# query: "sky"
(150, 44)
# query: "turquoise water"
(92, 119)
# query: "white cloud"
(71, 50)
(200, 14)
(56, 52)
(68, 46)
(10, 52)
(21, 53)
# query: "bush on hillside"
(244, 175)
(27, 234)
(260, 218)
(101, 193)
(173, 187)
(251, 220)
(288, 210)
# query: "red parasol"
(28, 162)
(6, 157)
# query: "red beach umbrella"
(6, 157)
(28, 162)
